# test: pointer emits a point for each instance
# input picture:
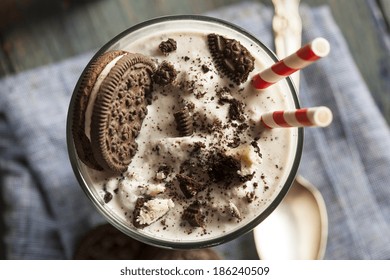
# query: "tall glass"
(276, 145)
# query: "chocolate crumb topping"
(250, 197)
(107, 197)
(205, 68)
(168, 46)
(246, 178)
(236, 111)
(224, 95)
(223, 167)
(190, 106)
(165, 169)
(257, 148)
(236, 108)
(198, 146)
(165, 74)
(235, 142)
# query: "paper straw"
(315, 116)
(305, 56)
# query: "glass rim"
(118, 223)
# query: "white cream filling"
(94, 92)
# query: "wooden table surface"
(38, 32)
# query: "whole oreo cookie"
(109, 109)
(105, 242)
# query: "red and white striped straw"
(314, 116)
(305, 56)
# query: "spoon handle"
(287, 29)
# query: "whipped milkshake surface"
(204, 168)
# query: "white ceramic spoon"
(298, 227)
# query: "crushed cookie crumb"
(168, 46)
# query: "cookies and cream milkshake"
(183, 160)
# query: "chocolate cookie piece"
(119, 110)
(193, 214)
(87, 82)
(168, 46)
(137, 210)
(231, 58)
(189, 186)
(165, 74)
(105, 242)
(184, 122)
(222, 167)
(148, 210)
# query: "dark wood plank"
(45, 31)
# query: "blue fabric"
(46, 210)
